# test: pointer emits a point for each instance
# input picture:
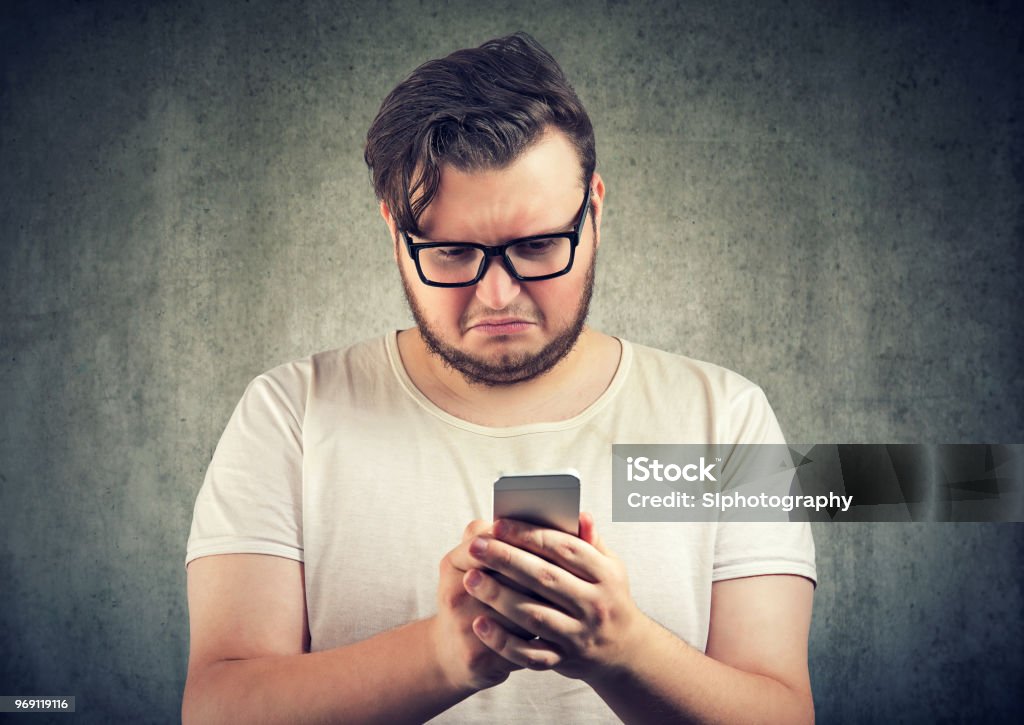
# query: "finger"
(491, 667)
(588, 532)
(474, 528)
(486, 608)
(459, 557)
(534, 654)
(451, 593)
(529, 616)
(569, 552)
(539, 577)
(453, 596)
(457, 562)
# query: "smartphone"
(545, 499)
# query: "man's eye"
(453, 255)
(536, 248)
(453, 252)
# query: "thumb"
(588, 532)
(474, 527)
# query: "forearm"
(387, 678)
(672, 682)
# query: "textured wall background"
(824, 196)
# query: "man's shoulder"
(374, 349)
(357, 360)
(736, 409)
(675, 368)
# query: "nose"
(497, 288)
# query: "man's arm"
(756, 662)
(249, 658)
(755, 668)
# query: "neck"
(562, 392)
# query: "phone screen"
(545, 499)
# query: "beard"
(509, 368)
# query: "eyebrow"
(559, 230)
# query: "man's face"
(503, 331)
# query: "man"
(342, 480)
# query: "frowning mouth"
(500, 326)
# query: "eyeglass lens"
(534, 258)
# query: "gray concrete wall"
(824, 196)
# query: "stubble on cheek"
(509, 368)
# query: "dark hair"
(478, 108)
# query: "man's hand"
(467, 662)
(581, 610)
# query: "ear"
(385, 214)
(597, 204)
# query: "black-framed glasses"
(528, 259)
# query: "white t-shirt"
(340, 462)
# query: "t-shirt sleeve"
(251, 499)
(744, 548)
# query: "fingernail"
(500, 528)
(483, 626)
(478, 546)
(474, 579)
